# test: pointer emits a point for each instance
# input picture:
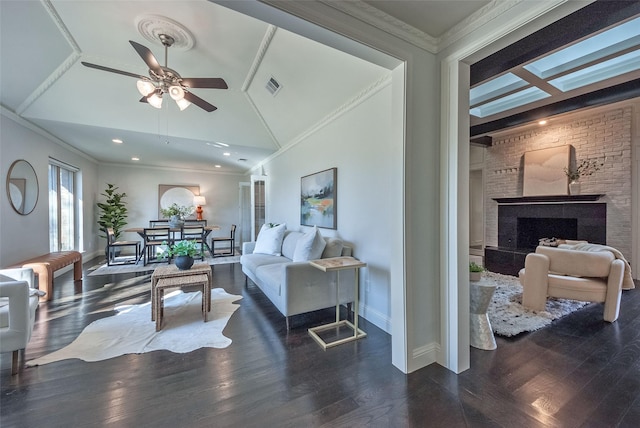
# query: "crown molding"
(4, 111)
(385, 22)
(262, 50)
(474, 21)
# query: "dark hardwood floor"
(579, 372)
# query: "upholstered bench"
(45, 265)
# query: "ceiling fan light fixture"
(183, 104)
(155, 100)
(145, 87)
(176, 92)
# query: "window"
(602, 57)
(62, 206)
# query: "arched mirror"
(22, 187)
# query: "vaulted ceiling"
(44, 82)
(44, 85)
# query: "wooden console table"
(337, 264)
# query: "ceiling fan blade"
(205, 82)
(199, 102)
(112, 70)
(144, 100)
(148, 58)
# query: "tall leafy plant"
(113, 211)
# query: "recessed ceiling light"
(117, 141)
(217, 166)
(542, 122)
(135, 159)
(222, 144)
(227, 154)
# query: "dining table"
(174, 231)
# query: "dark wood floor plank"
(269, 376)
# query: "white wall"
(23, 237)
(358, 145)
(141, 186)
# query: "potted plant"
(176, 214)
(475, 271)
(113, 211)
(586, 167)
(184, 252)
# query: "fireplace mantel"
(552, 199)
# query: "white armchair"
(570, 274)
(18, 304)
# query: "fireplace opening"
(531, 230)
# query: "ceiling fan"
(164, 80)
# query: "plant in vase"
(184, 252)
(586, 167)
(176, 214)
(113, 212)
(475, 271)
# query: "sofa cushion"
(255, 260)
(271, 277)
(290, 242)
(270, 240)
(309, 246)
(333, 248)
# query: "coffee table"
(170, 276)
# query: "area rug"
(131, 330)
(103, 269)
(507, 315)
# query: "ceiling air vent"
(273, 86)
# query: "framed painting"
(544, 172)
(173, 193)
(318, 199)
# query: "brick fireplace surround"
(596, 133)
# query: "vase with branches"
(585, 168)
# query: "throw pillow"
(309, 246)
(333, 248)
(270, 240)
(36, 292)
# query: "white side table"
(337, 264)
(480, 331)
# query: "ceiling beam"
(581, 23)
(612, 94)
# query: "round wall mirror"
(22, 187)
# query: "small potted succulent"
(184, 252)
(176, 214)
(475, 271)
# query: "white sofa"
(297, 287)
(591, 276)
(18, 303)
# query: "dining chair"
(195, 233)
(159, 223)
(114, 246)
(193, 222)
(231, 239)
(153, 238)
